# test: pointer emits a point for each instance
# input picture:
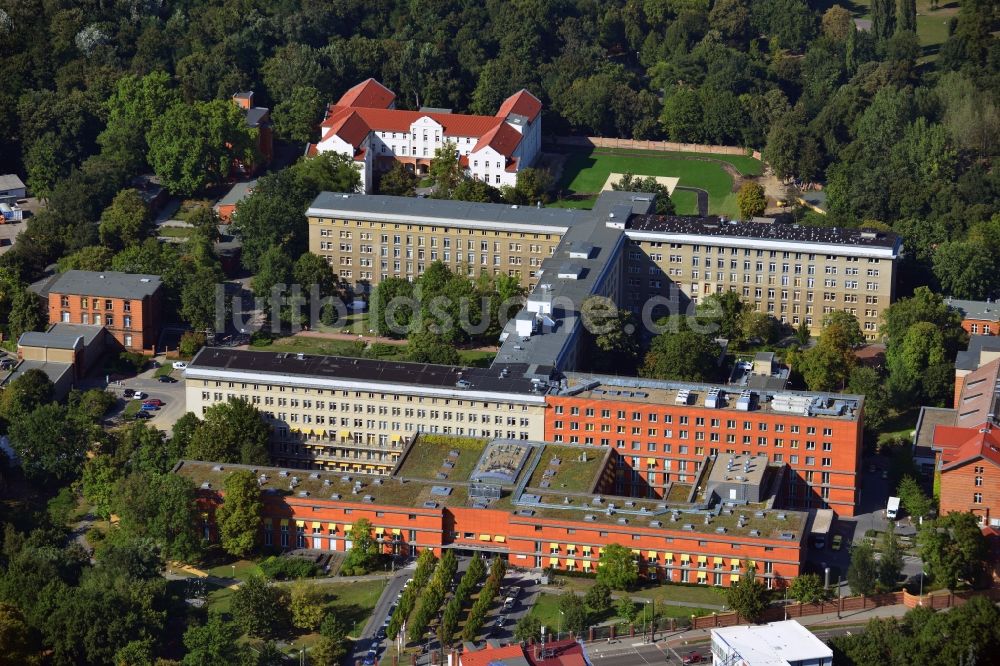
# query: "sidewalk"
(815, 623)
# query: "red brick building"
(127, 305)
(558, 527)
(978, 317)
(666, 431)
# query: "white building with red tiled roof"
(365, 124)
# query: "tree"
(747, 597)
(612, 334)
(480, 191)
(100, 476)
(50, 445)
(751, 200)
(198, 297)
(807, 588)
(90, 258)
(25, 313)
(307, 606)
(967, 269)
(625, 609)
(891, 563)
(29, 391)
(837, 23)
(213, 643)
(617, 568)
(126, 221)
(528, 628)
(238, 518)
(828, 365)
(192, 146)
(231, 432)
(727, 311)
(862, 574)
(364, 549)
(18, 641)
(392, 307)
(162, 507)
(680, 353)
(573, 614)
(275, 271)
(630, 183)
(398, 181)
(598, 597)
(311, 269)
(883, 19)
(954, 549)
(132, 107)
(428, 347)
(912, 497)
(906, 16)
(869, 382)
(258, 608)
(327, 652)
(446, 170)
(297, 116)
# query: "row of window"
(96, 318)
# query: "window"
(977, 498)
(128, 340)
(128, 321)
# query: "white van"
(892, 508)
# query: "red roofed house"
(365, 124)
(967, 445)
(554, 653)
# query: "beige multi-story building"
(369, 238)
(794, 273)
(347, 414)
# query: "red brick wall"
(144, 313)
(983, 326)
(958, 487)
(844, 440)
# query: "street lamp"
(234, 572)
(559, 634)
(648, 617)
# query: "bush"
(191, 342)
(287, 568)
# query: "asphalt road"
(383, 608)
(172, 395)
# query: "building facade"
(665, 431)
(366, 126)
(978, 317)
(127, 305)
(795, 274)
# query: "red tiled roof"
(369, 93)
(564, 653)
(488, 656)
(523, 103)
(503, 138)
(960, 445)
(360, 155)
(347, 124)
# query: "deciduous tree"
(231, 432)
(259, 609)
(807, 588)
(747, 597)
(126, 221)
(238, 518)
(862, 574)
(751, 200)
(617, 568)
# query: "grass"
(132, 408)
(354, 602)
(571, 475)
(694, 596)
(220, 600)
(188, 208)
(164, 369)
(244, 569)
(586, 171)
(932, 24)
(357, 349)
(546, 609)
(426, 459)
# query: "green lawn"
(174, 232)
(586, 171)
(244, 568)
(431, 451)
(354, 602)
(686, 202)
(132, 408)
(546, 609)
(219, 600)
(164, 369)
(356, 349)
(932, 25)
(695, 596)
(572, 474)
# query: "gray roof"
(715, 226)
(969, 358)
(10, 181)
(48, 340)
(237, 193)
(256, 115)
(415, 210)
(110, 284)
(987, 310)
(86, 331)
(44, 286)
(54, 371)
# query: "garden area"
(300, 344)
(585, 172)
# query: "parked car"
(137, 395)
(692, 658)
(153, 401)
(148, 407)
(838, 541)
(180, 365)
(143, 415)
(166, 379)
(128, 393)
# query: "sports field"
(585, 172)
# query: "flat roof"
(110, 284)
(982, 310)
(237, 193)
(738, 468)
(670, 393)
(444, 212)
(704, 229)
(772, 644)
(360, 374)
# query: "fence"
(636, 144)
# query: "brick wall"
(958, 488)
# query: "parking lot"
(8, 232)
(171, 394)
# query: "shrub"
(191, 342)
(287, 568)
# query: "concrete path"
(702, 198)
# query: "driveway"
(383, 609)
(8, 232)
(172, 395)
